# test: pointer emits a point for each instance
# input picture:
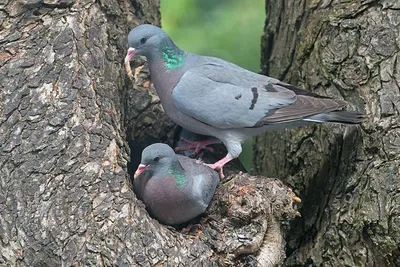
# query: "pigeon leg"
(220, 164)
(195, 227)
(197, 145)
(198, 227)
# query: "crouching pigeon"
(210, 96)
(174, 188)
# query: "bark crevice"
(346, 176)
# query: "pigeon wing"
(220, 97)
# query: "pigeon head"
(152, 42)
(156, 157)
(144, 40)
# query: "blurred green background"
(228, 29)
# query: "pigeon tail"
(343, 117)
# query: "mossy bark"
(347, 176)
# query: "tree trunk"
(348, 177)
(67, 112)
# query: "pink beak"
(129, 55)
(141, 168)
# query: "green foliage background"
(228, 29)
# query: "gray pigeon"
(210, 96)
(174, 188)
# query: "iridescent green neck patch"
(173, 57)
(179, 177)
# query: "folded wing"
(228, 97)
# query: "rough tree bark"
(67, 111)
(348, 177)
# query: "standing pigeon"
(210, 96)
(174, 188)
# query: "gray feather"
(169, 200)
(343, 117)
(233, 97)
(210, 96)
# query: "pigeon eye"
(143, 40)
(156, 159)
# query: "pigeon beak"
(141, 168)
(129, 55)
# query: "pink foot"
(196, 227)
(196, 145)
(220, 164)
(217, 168)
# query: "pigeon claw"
(220, 164)
(218, 168)
(197, 228)
(196, 145)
